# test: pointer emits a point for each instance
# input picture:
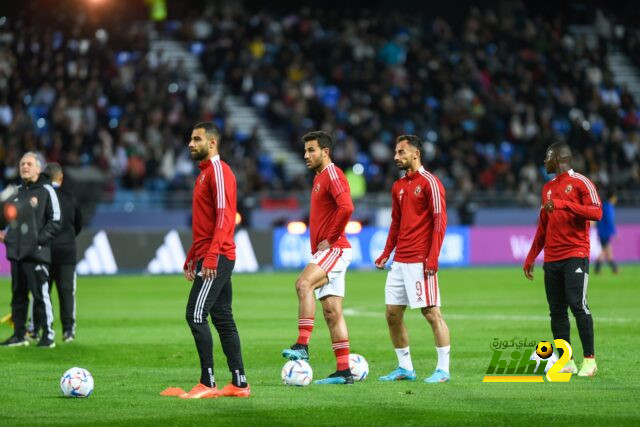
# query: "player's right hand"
(528, 271)
(323, 245)
(381, 261)
(189, 271)
(190, 275)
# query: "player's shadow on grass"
(64, 398)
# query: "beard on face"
(402, 166)
(198, 154)
(313, 165)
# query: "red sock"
(305, 326)
(341, 350)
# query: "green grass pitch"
(133, 338)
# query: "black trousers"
(213, 297)
(566, 284)
(64, 276)
(31, 277)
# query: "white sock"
(443, 358)
(404, 358)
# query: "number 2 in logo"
(554, 374)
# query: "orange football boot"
(231, 390)
(201, 391)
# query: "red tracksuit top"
(331, 208)
(418, 219)
(214, 213)
(564, 233)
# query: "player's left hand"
(209, 273)
(430, 268)
(2, 234)
(210, 266)
(549, 206)
(381, 261)
(528, 271)
(323, 245)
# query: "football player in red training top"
(418, 223)
(210, 263)
(331, 208)
(569, 202)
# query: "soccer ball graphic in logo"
(296, 372)
(544, 352)
(76, 382)
(544, 349)
(359, 367)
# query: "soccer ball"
(296, 372)
(544, 349)
(551, 359)
(76, 382)
(358, 366)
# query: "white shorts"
(334, 262)
(406, 286)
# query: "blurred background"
(111, 89)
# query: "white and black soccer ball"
(553, 358)
(358, 366)
(297, 373)
(76, 382)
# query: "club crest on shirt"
(568, 189)
(33, 201)
(317, 187)
(417, 190)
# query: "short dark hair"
(562, 149)
(210, 129)
(411, 139)
(324, 138)
(53, 170)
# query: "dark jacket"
(39, 219)
(63, 247)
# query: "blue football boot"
(400, 374)
(338, 377)
(296, 352)
(438, 376)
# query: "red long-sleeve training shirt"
(418, 219)
(331, 208)
(214, 213)
(564, 233)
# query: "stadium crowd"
(486, 96)
(487, 99)
(82, 95)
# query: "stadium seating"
(486, 96)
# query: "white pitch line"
(513, 318)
